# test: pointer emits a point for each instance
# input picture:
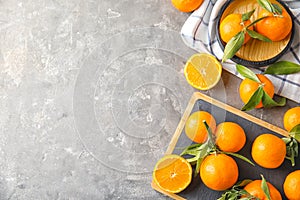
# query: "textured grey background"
(50, 145)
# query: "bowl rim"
(248, 63)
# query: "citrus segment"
(203, 71)
(172, 173)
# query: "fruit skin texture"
(219, 171)
(275, 28)
(291, 118)
(172, 173)
(291, 185)
(231, 25)
(195, 128)
(254, 188)
(230, 137)
(248, 87)
(268, 151)
(186, 5)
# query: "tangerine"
(275, 26)
(291, 118)
(268, 151)
(195, 128)
(254, 188)
(233, 24)
(202, 71)
(219, 171)
(291, 185)
(230, 137)
(248, 87)
(172, 173)
(186, 5)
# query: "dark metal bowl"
(249, 63)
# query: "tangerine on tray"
(233, 24)
(275, 26)
(268, 151)
(195, 128)
(172, 173)
(248, 87)
(219, 171)
(230, 137)
(291, 185)
(291, 118)
(254, 188)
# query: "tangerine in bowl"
(276, 28)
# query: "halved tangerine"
(172, 173)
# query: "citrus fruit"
(195, 128)
(291, 185)
(186, 5)
(276, 27)
(172, 173)
(231, 25)
(248, 87)
(230, 137)
(291, 118)
(254, 188)
(268, 151)
(202, 71)
(219, 171)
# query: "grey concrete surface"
(91, 92)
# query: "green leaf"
(211, 139)
(255, 21)
(247, 73)
(265, 188)
(277, 8)
(246, 16)
(268, 102)
(295, 132)
(233, 45)
(240, 157)
(190, 148)
(254, 100)
(198, 164)
(266, 5)
(282, 68)
(243, 183)
(258, 36)
(291, 149)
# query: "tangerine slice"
(172, 173)
(202, 71)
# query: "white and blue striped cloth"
(198, 32)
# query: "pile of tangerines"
(212, 151)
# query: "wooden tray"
(252, 126)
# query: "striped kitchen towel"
(199, 33)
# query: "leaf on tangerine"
(254, 99)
